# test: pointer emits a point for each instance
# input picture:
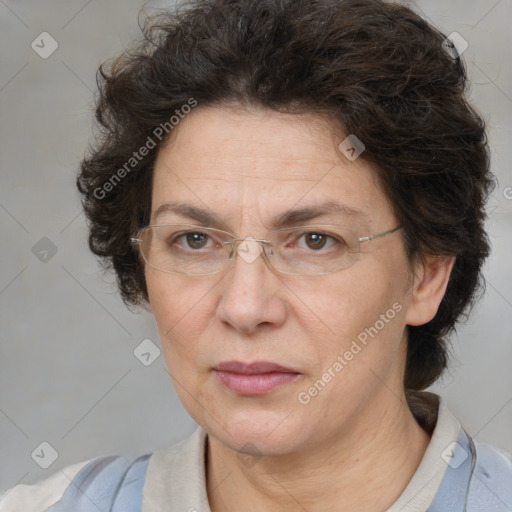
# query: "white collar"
(422, 488)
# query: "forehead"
(259, 163)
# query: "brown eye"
(315, 240)
(196, 240)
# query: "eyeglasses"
(302, 250)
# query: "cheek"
(364, 304)
(356, 338)
(183, 314)
(181, 309)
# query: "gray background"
(68, 374)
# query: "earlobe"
(430, 283)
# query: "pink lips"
(252, 379)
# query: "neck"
(364, 468)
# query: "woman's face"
(340, 336)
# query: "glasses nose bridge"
(236, 241)
(249, 253)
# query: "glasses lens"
(192, 250)
(313, 250)
(184, 249)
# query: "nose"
(251, 295)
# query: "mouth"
(252, 379)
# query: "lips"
(257, 367)
(251, 379)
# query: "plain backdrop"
(68, 373)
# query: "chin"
(259, 432)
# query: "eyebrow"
(286, 219)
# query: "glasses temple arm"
(379, 235)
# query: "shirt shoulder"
(41, 495)
(111, 483)
(491, 483)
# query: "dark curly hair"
(377, 68)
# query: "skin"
(355, 445)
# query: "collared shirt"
(456, 474)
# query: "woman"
(297, 190)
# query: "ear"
(430, 281)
